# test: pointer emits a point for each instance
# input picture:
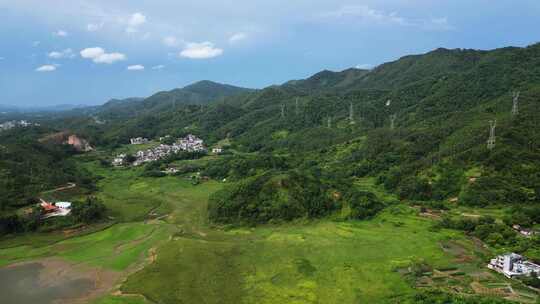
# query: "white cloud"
(60, 33)
(158, 67)
(98, 55)
(171, 41)
(67, 53)
(364, 66)
(136, 67)
(201, 50)
(93, 27)
(110, 58)
(237, 37)
(46, 68)
(366, 14)
(92, 52)
(438, 24)
(36, 43)
(369, 16)
(134, 22)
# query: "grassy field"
(169, 253)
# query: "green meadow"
(168, 252)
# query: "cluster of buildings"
(16, 123)
(138, 141)
(513, 265)
(523, 231)
(190, 143)
(55, 209)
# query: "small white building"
(138, 141)
(63, 205)
(119, 160)
(217, 150)
(524, 232)
(171, 170)
(513, 265)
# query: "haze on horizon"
(86, 52)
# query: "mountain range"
(397, 122)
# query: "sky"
(89, 51)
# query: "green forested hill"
(29, 166)
(200, 93)
(440, 104)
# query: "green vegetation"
(29, 167)
(308, 206)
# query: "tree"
(91, 210)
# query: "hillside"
(410, 118)
(441, 103)
(373, 186)
(199, 93)
(29, 166)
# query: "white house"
(217, 150)
(138, 141)
(119, 160)
(63, 205)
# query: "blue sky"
(86, 52)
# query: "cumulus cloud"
(136, 67)
(158, 67)
(93, 27)
(67, 53)
(171, 41)
(237, 37)
(46, 68)
(201, 50)
(134, 22)
(60, 33)
(98, 55)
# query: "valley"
(162, 249)
(397, 184)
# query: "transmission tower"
(297, 107)
(351, 114)
(392, 121)
(283, 111)
(515, 103)
(491, 140)
(329, 122)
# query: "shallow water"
(22, 284)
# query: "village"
(16, 123)
(190, 143)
